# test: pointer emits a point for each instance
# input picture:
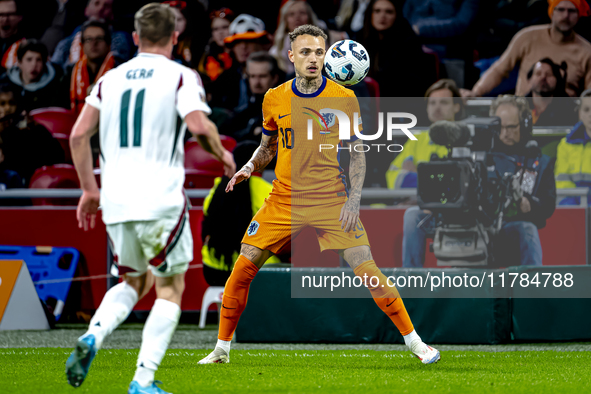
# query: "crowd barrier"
(564, 240)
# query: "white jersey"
(142, 106)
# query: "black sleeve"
(543, 203)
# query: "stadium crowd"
(53, 52)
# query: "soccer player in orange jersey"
(319, 195)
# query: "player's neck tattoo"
(308, 86)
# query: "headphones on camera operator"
(526, 123)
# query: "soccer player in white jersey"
(141, 106)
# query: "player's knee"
(140, 283)
(357, 255)
(171, 288)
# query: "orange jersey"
(305, 172)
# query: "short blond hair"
(520, 103)
(155, 23)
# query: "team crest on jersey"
(330, 119)
(253, 227)
(323, 120)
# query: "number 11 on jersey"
(137, 118)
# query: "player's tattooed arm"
(350, 211)
(261, 157)
(265, 152)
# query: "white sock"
(225, 345)
(158, 331)
(408, 339)
(114, 309)
(144, 376)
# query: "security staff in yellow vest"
(226, 217)
(443, 103)
(573, 156)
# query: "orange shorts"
(276, 224)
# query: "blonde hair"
(281, 31)
(155, 23)
(520, 103)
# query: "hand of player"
(229, 165)
(240, 176)
(349, 216)
(87, 208)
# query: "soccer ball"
(346, 62)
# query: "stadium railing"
(367, 193)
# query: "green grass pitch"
(41, 370)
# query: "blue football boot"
(135, 388)
(79, 361)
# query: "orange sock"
(386, 295)
(235, 296)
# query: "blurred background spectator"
(27, 145)
(262, 72)
(37, 82)
(216, 58)
(350, 15)
(70, 49)
(556, 41)
(294, 13)
(230, 89)
(395, 51)
(550, 104)
(443, 103)
(221, 242)
(573, 157)
(96, 60)
(190, 25)
(8, 179)
(499, 21)
(11, 32)
(60, 18)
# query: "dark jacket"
(230, 90)
(47, 92)
(28, 149)
(560, 112)
(396, 58)
(543, 196)
(245, 120)
(441, 18)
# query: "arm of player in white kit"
(194, 111)
(85, 127)
(207, 134)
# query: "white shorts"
(163, 245)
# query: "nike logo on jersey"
(390, 303)
(223, 306)
(283, 116)
(359, 236)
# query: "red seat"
(199, 179)
(64, 141)
(59, 176)
(372, 86)
(55, 119)
(197, 158)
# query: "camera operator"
(533, 192)
(519, 234)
